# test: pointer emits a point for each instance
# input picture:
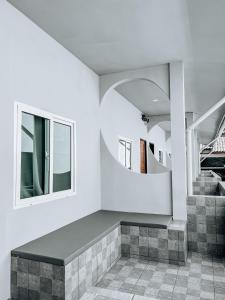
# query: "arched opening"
(131, 113)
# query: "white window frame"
(18, 202)
(126, 140)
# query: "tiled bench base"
(31, 280)
(208, 176)
(207, 185)
(206, 224)
(166, 245)
(35, 280)
(205, 188)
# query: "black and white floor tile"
(203, 278)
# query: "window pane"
(122, 158)
(128, 155)
(34, 156)
(160, 156)
(61, 157)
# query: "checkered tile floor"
(203, 277)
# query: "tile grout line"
(138, 280)
(175, 282)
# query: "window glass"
(34, 156)
(128, 155)
(122, 156)
(160, 156)
(61, 157)
(125, 153)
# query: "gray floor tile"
(203, 277)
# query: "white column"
(195, 155)
(179, 178)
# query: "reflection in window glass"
(61, 157)
(34, 156)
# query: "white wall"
(123, 190)
(37, 71)
(120, 118)
(168, 145)
(179, 175)
(157, 136)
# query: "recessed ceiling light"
(155, 100)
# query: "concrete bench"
(65, 263)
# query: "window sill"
(27, 202)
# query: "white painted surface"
(37, 71)
(168, 145)
(120, 118)
(123, 190)
(179, 178)
(157, 136)
(159, 74)
(143, 94)
(188, 30)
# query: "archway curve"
(125, 80)
(158, 167)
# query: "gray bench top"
(61, 246)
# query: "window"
(45, 155)
(125, 148)
(160, 156)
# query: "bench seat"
(61, 246)
(65, 263)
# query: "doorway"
(152, 148)
(143, 157)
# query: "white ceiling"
(114, 35)
(143, 94)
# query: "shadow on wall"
(123, 190)
(154, 166)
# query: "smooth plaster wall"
(120, 118)
(179, 175)
(168, 145)
(157, 136)
(123, 190)
(36, 70)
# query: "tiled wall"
(205, 188)
(87, 269)
(41, 281)
(222, 188)
(36, 280)
(168, 245)
(209, 176)
(206, 224)
(207, 184)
